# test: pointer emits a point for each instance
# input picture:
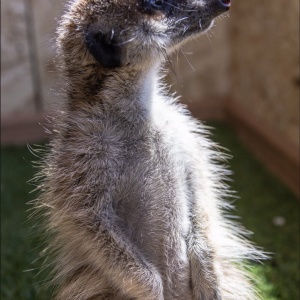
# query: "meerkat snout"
(148, 28)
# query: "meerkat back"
(131, 192)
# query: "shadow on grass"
(262, 198)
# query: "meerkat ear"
(104, 48)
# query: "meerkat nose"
(226, 3)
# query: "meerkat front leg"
(116, 259)
(203, 278)
(91, 245)
(128, 270)
(201, 254)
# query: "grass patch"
(262, 199)
(19, 264)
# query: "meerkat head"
(118, 33)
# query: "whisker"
(112, 35)
(126, 42)
(180, 9)
(193, 69)
(177, 57)
(169, 62)
(208, 37)
(200, 24)
(181, 20)
(123, 30)
(185, 30)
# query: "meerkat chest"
(153, 191)
(153, 200)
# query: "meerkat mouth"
(200, 20)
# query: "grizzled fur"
(132, 193)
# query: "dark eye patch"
(104, 49)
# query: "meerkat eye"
(151, 6)
(156, 4)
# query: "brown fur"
(132, 193)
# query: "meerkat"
(133, 195)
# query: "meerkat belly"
(153, 212)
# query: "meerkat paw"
(156, 288)
(204, 280)
(207, 293)
(145, 286)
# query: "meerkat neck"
(129, 93)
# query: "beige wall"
(201, 70)
(16, 83)
(46, 14)
(17, 86)
(265, 63)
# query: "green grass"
(18, 249)
(262, 199)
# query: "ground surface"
(263, 200)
